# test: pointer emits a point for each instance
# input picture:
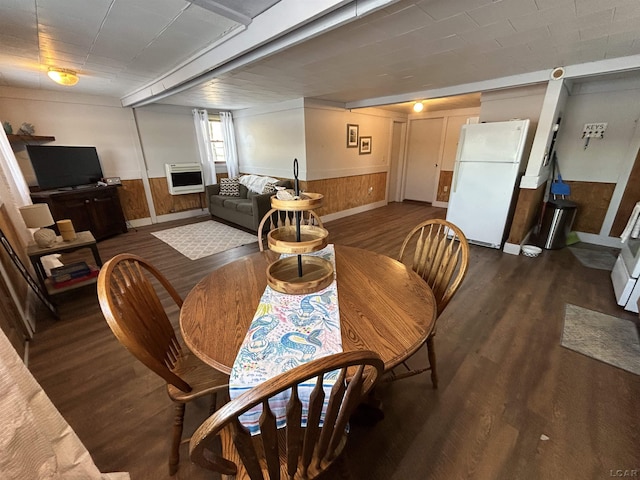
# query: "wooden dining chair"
(438, 251)
(134, 312)
(293, 451)
(280, 218)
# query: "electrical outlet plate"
(594, 130)
(112, 181)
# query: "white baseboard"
(614, 242)
(511, 248)
(353, 211)
(139, 222)
(142, 222)
(440, 204)
(180, 215)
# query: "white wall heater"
(184, 178)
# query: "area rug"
(603, 337)
(202, 239)
(602, 258)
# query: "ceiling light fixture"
(62, 76)
(417, 107)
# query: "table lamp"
(39, 216)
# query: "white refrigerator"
(488, 164)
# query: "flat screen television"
(60, 167)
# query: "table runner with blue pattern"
(287, 331)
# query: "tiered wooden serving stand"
(298, 274)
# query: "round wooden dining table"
(384, 306)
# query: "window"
(217, 139)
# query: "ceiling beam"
(614, 65)
(287, 23)
(224, 10)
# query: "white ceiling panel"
(495, 11)
(121, 47)
(595, 6)
(442, 10)
(543, 18)
(488, 33)
(134, 25)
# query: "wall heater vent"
(184, 178)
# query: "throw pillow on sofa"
(230, 187)
(269, 187)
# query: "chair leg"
(431, 352)
(174, 456)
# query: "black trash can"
(558, 219)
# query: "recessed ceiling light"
(417, 107)
(63, 76)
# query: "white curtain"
(230, 150)
(14, 191)
(207, 154)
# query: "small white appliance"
(625, 273)
(184, 178)
(488, 165)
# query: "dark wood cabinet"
(96, 209)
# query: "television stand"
(95, 209)
(84, 187)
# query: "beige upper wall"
(316, 134)
(73, 119)
(614, 102)
(326, 141)
(268, 139)
(166, 132)
(512, 103)
(168, 135)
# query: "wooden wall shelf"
(29, 138)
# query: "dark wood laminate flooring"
(512, 403)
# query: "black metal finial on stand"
(298, 214)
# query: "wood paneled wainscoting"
(340, 193)
(166, 203)
(134, 201)
(444, 185)
(593, 199)
(526, 213)
(344, 193)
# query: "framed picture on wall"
(352, 136)
(365, 145)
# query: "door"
(423, 154)
(395, 164)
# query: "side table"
(83, 240)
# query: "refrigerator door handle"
(457, 166)
(454, 180)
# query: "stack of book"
(72, 273)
